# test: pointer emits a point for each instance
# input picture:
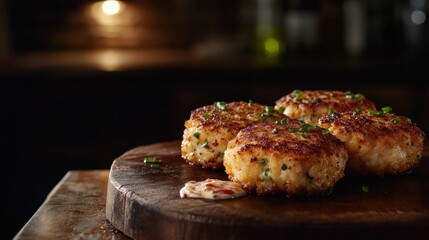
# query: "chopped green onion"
(365, 188)
(155, 165)
(358, 112)
(282, 109)
(221, 105)
(250, 102)
(409, 120)
(374, 113)
(220, 155)
(325, 131)
(284, 167)
(269, 110)
(264, 117)
(267, 174)
(358, 96)
(274, 130)
(283, 121)
(386, 109)
(332, 112)
(205, 144)
(307, 127)
(151, 160)
(207, 115)
(262, 161)
(394, 120)
(304, 135)
(298, 94)
(197, 134)
(293, 130)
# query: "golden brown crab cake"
(294, 158)
(312, 105)
(378, 143)
(211, 127)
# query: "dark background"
(76, 93)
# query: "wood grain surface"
(144, 203)
(74, 209)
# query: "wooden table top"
(75, 209)
(144, 202)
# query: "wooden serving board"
(144, 203)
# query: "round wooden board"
(144, 203)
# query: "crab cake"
(312, 105)
(378, 143)
(211, 127)
(293, 158)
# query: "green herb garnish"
(155, 165)
(298, 94)
(284, 167)
(220, 155)
(151, 160)
(207, 115)
(205, 144)
(394, 120)
(197, 134)
(332, 112)
(282, 122)
(358, 112)
(263, 117)
(267, 174)
(269, 110)
(325, 131)
(221, 105)
(409, 120)
(262, 161)
(374, 113)
(250, 102)
(352, 96)
(386, 109)
(282, 109)
(365, 189)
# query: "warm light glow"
(272, 47)
(113, 13)
(109, 60)
(111, 7)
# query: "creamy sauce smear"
(212, 189)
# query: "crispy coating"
(377, 143)
(294, 159)
(312, 105)
(211, 127)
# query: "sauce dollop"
(212, 189)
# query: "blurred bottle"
(301, 25)
(416, 33)
(354, 27)
(269, 40)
